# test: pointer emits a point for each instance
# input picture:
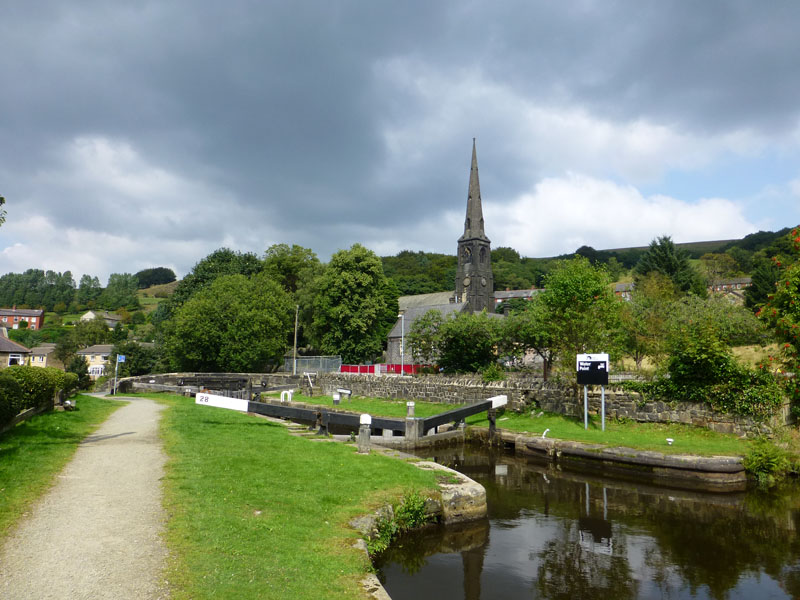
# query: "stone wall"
(525, 394)
(533, 394)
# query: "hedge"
(10, 398)
(35, 387)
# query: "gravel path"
(97, 533)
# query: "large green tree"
(468, 341)
(781, 312)
(291, 267)
(120, 292)
(220, 262)
(354, 306)
(235, 324)
(155, 276)
(663, 256)
(645, 317)
(529, 330)
(423, 337)
(579, 310)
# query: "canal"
(573, 534)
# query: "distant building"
(110, 318)
(42, 356)
(97, 358)
(11, 353)
(12, 317)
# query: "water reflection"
(553, 534)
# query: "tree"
(89, 290)
(423, 338)
(354, 306)
(220, 262)
(664, 257)
(718, 267)
(468, 341)
(140, 359)
(235, 324)
(155, 276)
(644, 319)
(83, 335)
(2, 210)
(80, 367)
(781, 312)
(530, 330)
(290, 266)
(762, 284)
(578, 310)
(120, 292)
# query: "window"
(14, 359)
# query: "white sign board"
(221, 402)
(591, 358)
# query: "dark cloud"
(280, 111)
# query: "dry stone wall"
(525, 394)
(533, 394)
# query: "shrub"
(80, 368)
(38, 385)
(493, 372)
(10, 398)
(410, 514)
(767, 462)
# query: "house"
(42, 356)
(97, 358)
(11, 353)
(624, 290)
(110, 319)
(505, 296)
(12, 317)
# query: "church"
(474, 284)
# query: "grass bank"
(378, 406)
(34, 452)
(642, 436)
(257, 513)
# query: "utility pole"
(296, 314)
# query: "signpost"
(120, 358)
(592, 369)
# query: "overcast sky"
(143, 134)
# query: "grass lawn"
(257, 513)
(378, 406)
(643, 436)
(34, 452)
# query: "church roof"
(436, 298)
(412, 314)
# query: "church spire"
(473, 224)
(474, 280)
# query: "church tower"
(474, 280)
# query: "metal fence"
(313, 364)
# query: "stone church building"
(474, 284)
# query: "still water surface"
(559, 534)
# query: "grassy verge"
(379, 406)
(642, 436)
(257, 513)
(33, 453)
